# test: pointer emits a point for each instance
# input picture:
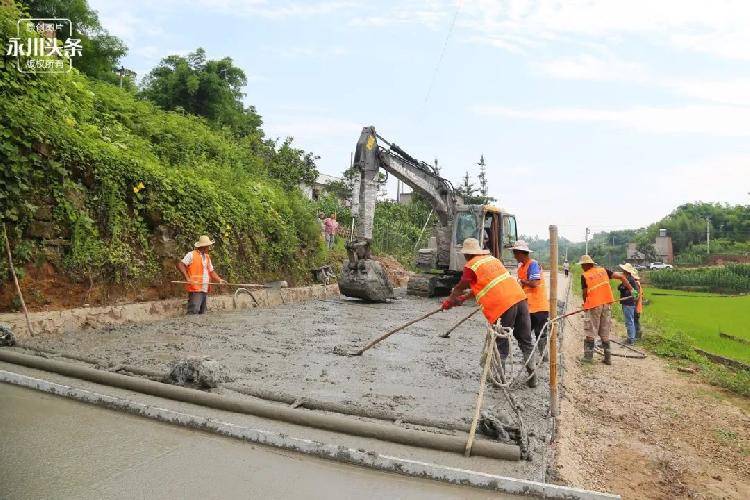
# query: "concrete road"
(52, 447)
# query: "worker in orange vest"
(500, 297)
(198, 271)
(531, 279)
(597, 304)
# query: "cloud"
(717, 28)
(272, 9)
(431, 14)
(726, 121)
(306, 51)
(595, 68)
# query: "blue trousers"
(629, 313)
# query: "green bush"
(730, 278)
(118, 170)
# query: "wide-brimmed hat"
(586, 259)
(521, 246)
(471, 247)
(204, 241)
(628, 267)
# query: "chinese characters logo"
(45, 53)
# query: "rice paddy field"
(703, 317)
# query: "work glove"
(635, 293)
(448, 303)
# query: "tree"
(482, 177)
(101, 52)
(208, 88)
(466, 189)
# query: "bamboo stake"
(553, 400)
(490, 352)
(15, 280)
(450, 330)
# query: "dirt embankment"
(641, 429)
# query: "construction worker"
(531, 279)
(638, 307)
(500, 297)
(597, 302)
(629, 304)
(198, 270)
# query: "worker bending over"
(197, 269)
(531, 279)
(500, 297)
(597, 302)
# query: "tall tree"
(483, 188)
(101, 52)
(466, 189)
(208, 88)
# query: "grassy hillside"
(109, 189)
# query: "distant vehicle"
(660, 265)
(641, 266)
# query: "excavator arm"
(370, 158)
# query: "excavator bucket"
(362, 277)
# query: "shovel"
(342, 352)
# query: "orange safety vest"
(598, 291)
(538, 300)
(195, 272)
(495, 290)
(639, 304)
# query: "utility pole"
(708, 234)
(587, 240)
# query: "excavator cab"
(495, 230)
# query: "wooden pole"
(553, 402)
(391, 332)
(15, 280)
(448, 333)
(490, 351)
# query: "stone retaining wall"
(51, 322)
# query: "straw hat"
(630, 269)
(522, 246)
(204, 241)
(586, 259)
(471, 247)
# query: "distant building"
(662, 250)
(663, 247)
(319, 186)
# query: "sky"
(605, 114)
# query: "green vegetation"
(101, 51)
(730, 278)
(701, 317)
(127, 186)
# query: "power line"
(442, 52)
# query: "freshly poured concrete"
(56, 448)
(289, 349)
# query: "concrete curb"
(79, 318)
(322, 450)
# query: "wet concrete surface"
(289, 349)
(52, 447)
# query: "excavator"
(440, 264)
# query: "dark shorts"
(518, 318)
(196, 303)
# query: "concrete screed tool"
(341, 351)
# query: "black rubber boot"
(542, 346)
(588, 351)
(530, 368)
(607, 353)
